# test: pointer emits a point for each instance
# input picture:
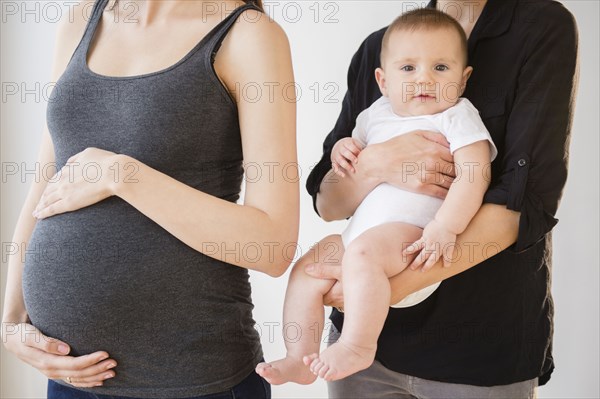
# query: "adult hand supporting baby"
(419, 161)
(335, 296)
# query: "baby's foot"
(288, 369)
(340, 360)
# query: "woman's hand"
(50, 356)
(87, 178)
(419, 161)
(335, 296)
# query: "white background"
(322, 45)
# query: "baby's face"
(424, 71)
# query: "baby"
(424, 73)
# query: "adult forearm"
(14, 306)
(493, 229)
(339, 197)
(238, 234)
(417, 161)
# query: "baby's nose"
(425, 78)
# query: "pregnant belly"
(98, 276)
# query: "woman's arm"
(254, 52)
(462, 202)
(258, 234)
(419, 162)
(477, 243)
(14, 307)
(520, 205)
(19, 337)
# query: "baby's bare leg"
(304, 307)
(367, 264)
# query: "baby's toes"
(307, 360)
(316, 365)
(260, 367)
(323, 370)
(329, 375)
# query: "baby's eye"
(441, 68)
(407, 68)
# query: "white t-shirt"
(460, 124)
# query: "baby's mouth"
(424, 97)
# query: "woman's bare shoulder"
(69, 33)
(255, 50)
(257, 36)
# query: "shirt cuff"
(511, 190)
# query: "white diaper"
(386, 204)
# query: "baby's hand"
(344, 155)
(437, 241)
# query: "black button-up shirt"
(491, 325)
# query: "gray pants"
(378, 382)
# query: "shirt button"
(522, 162)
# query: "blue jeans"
(253, 387)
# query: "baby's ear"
(466, 75)
(380, 78)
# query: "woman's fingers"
(434, 191)
(323, 271)
(435, 137)
(335, 296)
(58, 366)
(46, 348)
(61, 367)
(57, 207)
(439, 179)
(91, 384)
(437, 172)
(49, 356)
(82, 366)
(34, 338)
(48, 198)
(82, 371)
(91, 376)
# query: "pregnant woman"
(137, 253)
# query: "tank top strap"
(82, 49)
(209, 45)
(215, 37)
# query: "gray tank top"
(106, 277)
